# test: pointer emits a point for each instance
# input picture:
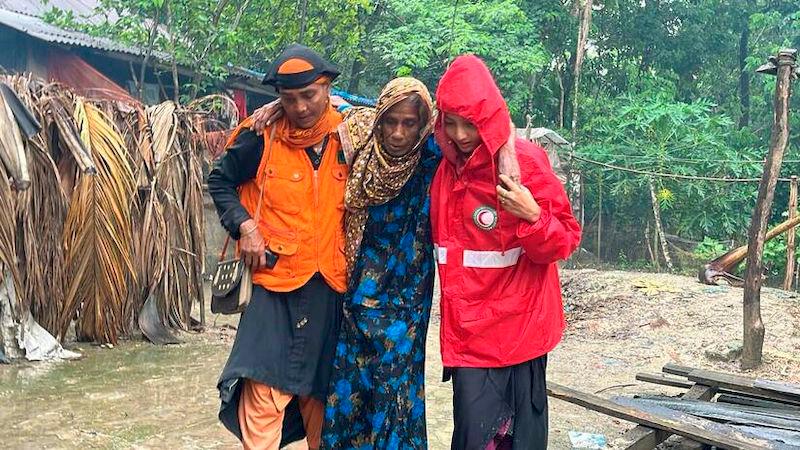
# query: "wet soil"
(137, 395)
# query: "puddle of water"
(133, 396)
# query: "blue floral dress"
(377, 392)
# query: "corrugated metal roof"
(38, 28)
(543, 133)
(246, 73)
(80, 8)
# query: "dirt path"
(140, 396)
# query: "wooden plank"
(743, 415)
(776, 386)
(674, 422)
(790, 438)
(730, 396)
(741, 384)
(740, 399)
(664, 380)
(725, 435)
(641, 437)
(677, 369)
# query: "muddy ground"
(140, 396)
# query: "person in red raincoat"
(497, 242)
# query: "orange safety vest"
(302, 215)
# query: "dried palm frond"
(174, 298)
(174, 217)
(8, 253)
(193, 210)
(98, 234)
(12, 150)
(68, 135)
(151, 248)
(41, 211)
(163, 122)
(149, 243)
(127, 121)
(143, 143)
(41, 214)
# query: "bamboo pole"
(753, 325)
(787, 281)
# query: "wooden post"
(753, 326)
(599, 215)
(787, 281)
(575, 194)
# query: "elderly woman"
(497, 244)
(377, 394)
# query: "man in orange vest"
(282, 195)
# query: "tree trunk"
(201, 59)
(356, 70)
(659, 229)
(365, 43)
(561, 97)
(580, 51)
(723, 265)
(303, 13)
(135, 79)
(176, 87)
(650, 252)
(744, 78)
(753, 326)
(151, 40)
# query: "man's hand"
(266, 116)
(251, 245)
(507, 163)
(518, 200)
(337, 101)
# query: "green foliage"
(653, 133)
(775, 256)
(662, 87)
(709, 249)
(211, 35)
(421, 38)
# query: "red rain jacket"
(501, 296)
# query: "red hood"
(468, 90)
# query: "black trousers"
(285, 340)
(484, 399)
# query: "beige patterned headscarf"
(376, 176)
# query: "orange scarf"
(304, 138)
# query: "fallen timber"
(748, 413)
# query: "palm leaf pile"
(110, 214)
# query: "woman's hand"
(266, 116)
(518, 200)
(251, 245)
